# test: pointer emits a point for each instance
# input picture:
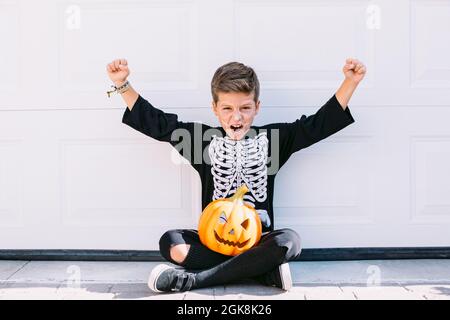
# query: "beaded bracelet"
(120, 89)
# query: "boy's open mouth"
(236, 127)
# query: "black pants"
(212, 268)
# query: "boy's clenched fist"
(354, 70)
(118, 71)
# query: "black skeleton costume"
(225, 164)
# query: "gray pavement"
(368, 279)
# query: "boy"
(235, 153)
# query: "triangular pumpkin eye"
(223, 218)
(245, 224)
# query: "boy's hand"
(354, 70)
(118, 71)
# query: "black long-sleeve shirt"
(224, 164)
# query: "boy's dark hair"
(234, 77)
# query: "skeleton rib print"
(234, 163)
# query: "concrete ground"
(369, 279)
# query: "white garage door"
(72, 176)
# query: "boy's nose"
(237, 116)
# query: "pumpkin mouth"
(230, 243)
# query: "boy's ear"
(214, 107)
(257, 106)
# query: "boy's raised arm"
(140, 114)
(329, 119)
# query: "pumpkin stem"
(240, 192)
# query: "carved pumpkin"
(229, 226)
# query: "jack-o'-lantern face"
(229, 226)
